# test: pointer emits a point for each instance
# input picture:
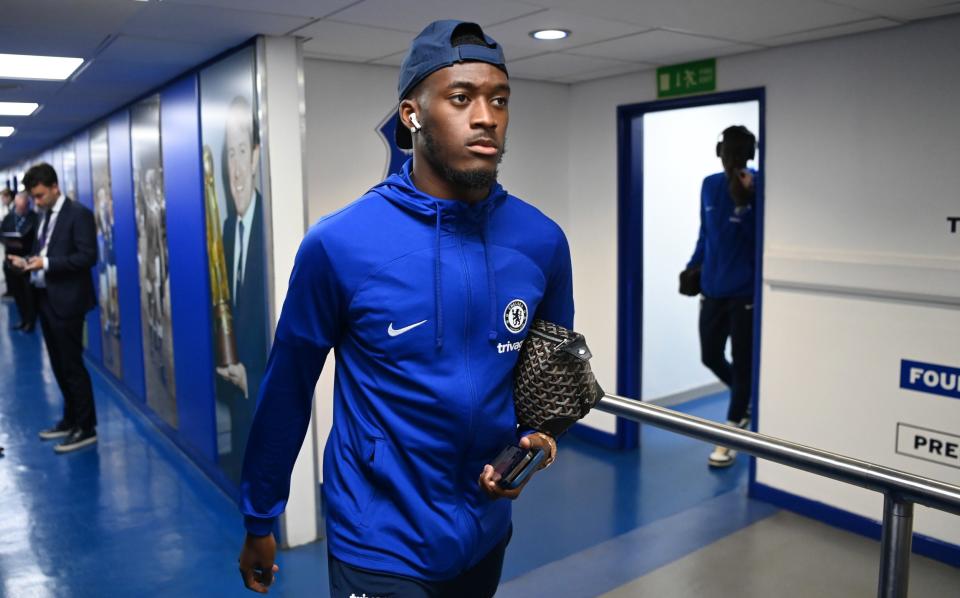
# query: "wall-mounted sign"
(687, 78)
(929, 445)
(931, 378)
(395, 156)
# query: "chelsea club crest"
(515, 316)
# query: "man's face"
(241, 157)
(45, 196)
(463, 109)
(732, 154)
(21, 205)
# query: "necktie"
(239, 276)
(46, 228)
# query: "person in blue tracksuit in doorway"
(724, 260)
(425, 288)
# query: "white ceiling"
(133, 47)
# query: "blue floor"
(133, 517)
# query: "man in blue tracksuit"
(410, 286)
(725, 257)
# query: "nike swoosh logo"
(398, 331)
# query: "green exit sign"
(683, 79)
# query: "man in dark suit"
(64, 253)
(6, 206)
(244, 253)
(21, 221)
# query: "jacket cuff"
(259, 526)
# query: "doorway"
(666, 148)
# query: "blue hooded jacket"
(726, 246)
(411, 292)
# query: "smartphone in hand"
(514, 465)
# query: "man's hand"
(34, 263)
(17, 262)
(28, 264)
(256, 562)
(489, 477)
(741, 186)
(236, 374)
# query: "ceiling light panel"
(548, 34)
(49, 68)
(18, 108)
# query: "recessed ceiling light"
(6, 131)
(18, 108)
(549, 34)
(25, 66)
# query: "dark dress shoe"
(76, 440)
(59, 430)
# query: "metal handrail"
(900, 489)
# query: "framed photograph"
(108, 296)
(236, 246)
(153, 258)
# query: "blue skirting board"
(922, 545)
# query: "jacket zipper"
(465, 518)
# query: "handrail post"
(895, 547)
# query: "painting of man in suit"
(231, 135)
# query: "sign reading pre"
(929, 445)
(683, 79)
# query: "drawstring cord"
(437, 298)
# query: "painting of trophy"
(225, 344)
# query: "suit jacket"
(249, 324)
(71, 253)
(28, 231)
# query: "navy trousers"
(480, 581)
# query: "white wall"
(282, 127)
(862, 147)
(345, 155)
(679, 150)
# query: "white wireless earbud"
(416, 123)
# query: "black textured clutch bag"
(553, 383)
(690, 282)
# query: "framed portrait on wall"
(150, 207)
(107, 290)
(68, 176)
(236, 246)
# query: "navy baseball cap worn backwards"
(433, 50)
